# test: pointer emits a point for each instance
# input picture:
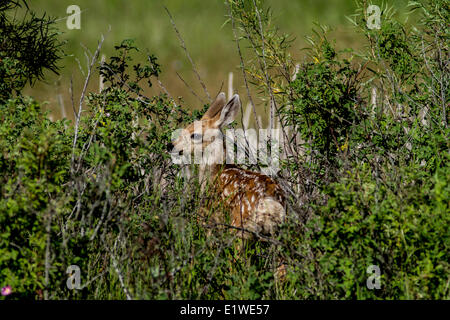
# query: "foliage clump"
(28, 47)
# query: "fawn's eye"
(196, 136)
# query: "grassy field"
(203, 26)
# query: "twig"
(47, 253)
(119, 274)
(163, 87)
(166, 92)
(83, 93)
(190, 88)
(266, 75)
(101, 79)
(183, 45)
(242, 67)
(71, 97)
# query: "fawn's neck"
(214, 157)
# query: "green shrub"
(29, 45)
(400, 227)
(34, 165)
(325, 96)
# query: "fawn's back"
(255, 201)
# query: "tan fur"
(255, 201)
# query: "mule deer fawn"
(255, 201)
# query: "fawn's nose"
(171, 149)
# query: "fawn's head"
(205, 135)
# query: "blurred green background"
(202, 25)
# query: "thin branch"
(190, 88)
(71, 97)
(166, 92)
(242, 67)
(273, 105)
(183, 45)
(163, 87)
(47, 253)
(83, 93)
(119, 274)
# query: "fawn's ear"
(229, 112)
(215, 107)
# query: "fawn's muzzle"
(171, 149)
